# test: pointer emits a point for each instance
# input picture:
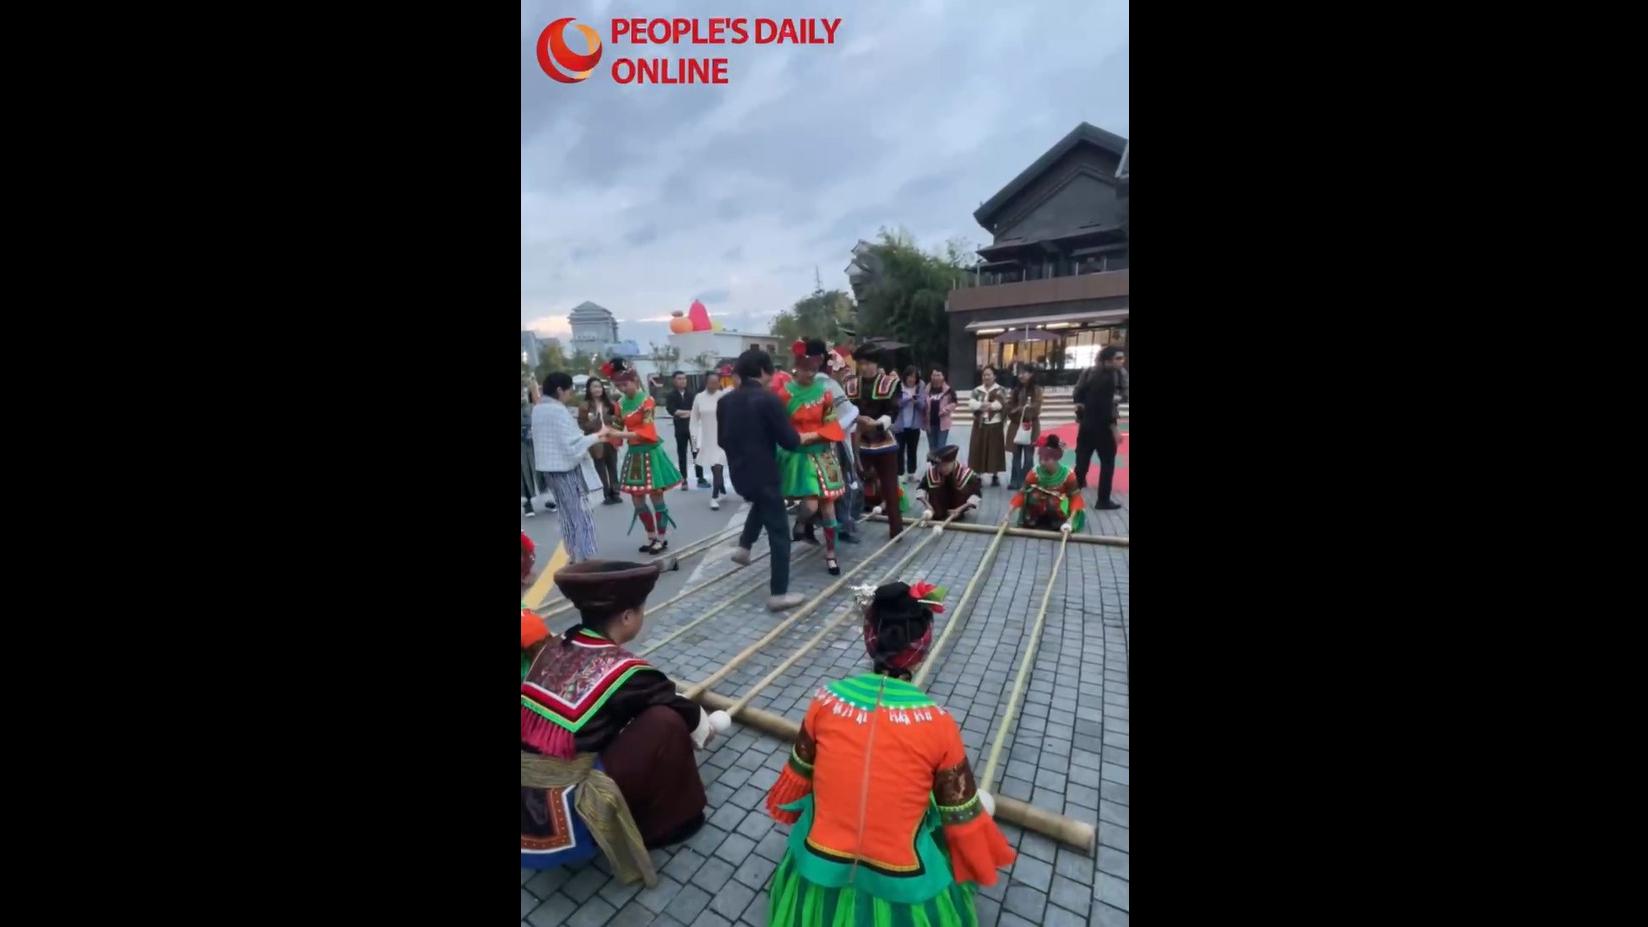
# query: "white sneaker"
(715, 505)
(741, 556)
(778, 603)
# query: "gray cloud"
(639, 196)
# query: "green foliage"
(820, 315)
(905, 302)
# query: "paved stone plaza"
(1068, 751)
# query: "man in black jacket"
(750, 426)
(1095, 399)
(678, 402)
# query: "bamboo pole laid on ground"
(1070, 832)
(845, 613)
(718, 609)
(691, 550)
(960, 609)
(1107, 539)
(988, 780)
(800, 613)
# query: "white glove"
(704, 731)
(938, 529)
(988, 801)
(973, 405)
(885, 422)
(1065, 528)
(972, 502)
(876, 510)
(927, 513)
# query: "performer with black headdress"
(596, 717)
(888, 824)
(948, 484)
(877, 446)
(647, 471)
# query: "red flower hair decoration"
(929, 595)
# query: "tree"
(551, 358)
(906, 301)
(668, 354)
(706, 361)
(820, 315)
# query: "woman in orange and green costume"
(812, 473)
(647, 471)
(889, 827)
(1051, 498)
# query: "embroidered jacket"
(911, 751)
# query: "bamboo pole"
(845, 613)
(1070, 832)
(1107, 539)
(950, 626)
(718, 609)
(800, 613)
(988, 780)
(691, 550)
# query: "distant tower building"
(531, 348)
(593, 328)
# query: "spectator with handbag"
(1024, 424)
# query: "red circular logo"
(553, 53)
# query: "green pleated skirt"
(799, 903)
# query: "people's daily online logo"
(560, 62)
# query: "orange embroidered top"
(910, 749)
(638, 418)
(810, 409)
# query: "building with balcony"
(1058, 263)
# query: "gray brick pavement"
(1069, 750)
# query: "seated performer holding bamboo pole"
(603, 733)
(1051, 498)
(889, 827)
(948, 484)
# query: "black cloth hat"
(603, 587)
(944, 454)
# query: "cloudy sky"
(641, 197)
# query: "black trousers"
(682, 439)
(909, 440)
(1096, 440)
(606, 467)
(885, 465)
(767, 511)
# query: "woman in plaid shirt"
(559, 446)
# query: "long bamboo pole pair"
(957, 614)
(691, 550)
(846, 612)
(806, 609)
(1107, 539)
(718, 608)
(988, 780)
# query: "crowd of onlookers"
(1005, 428)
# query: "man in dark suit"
(678, 402)
(1096, 398)
(750, 426)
